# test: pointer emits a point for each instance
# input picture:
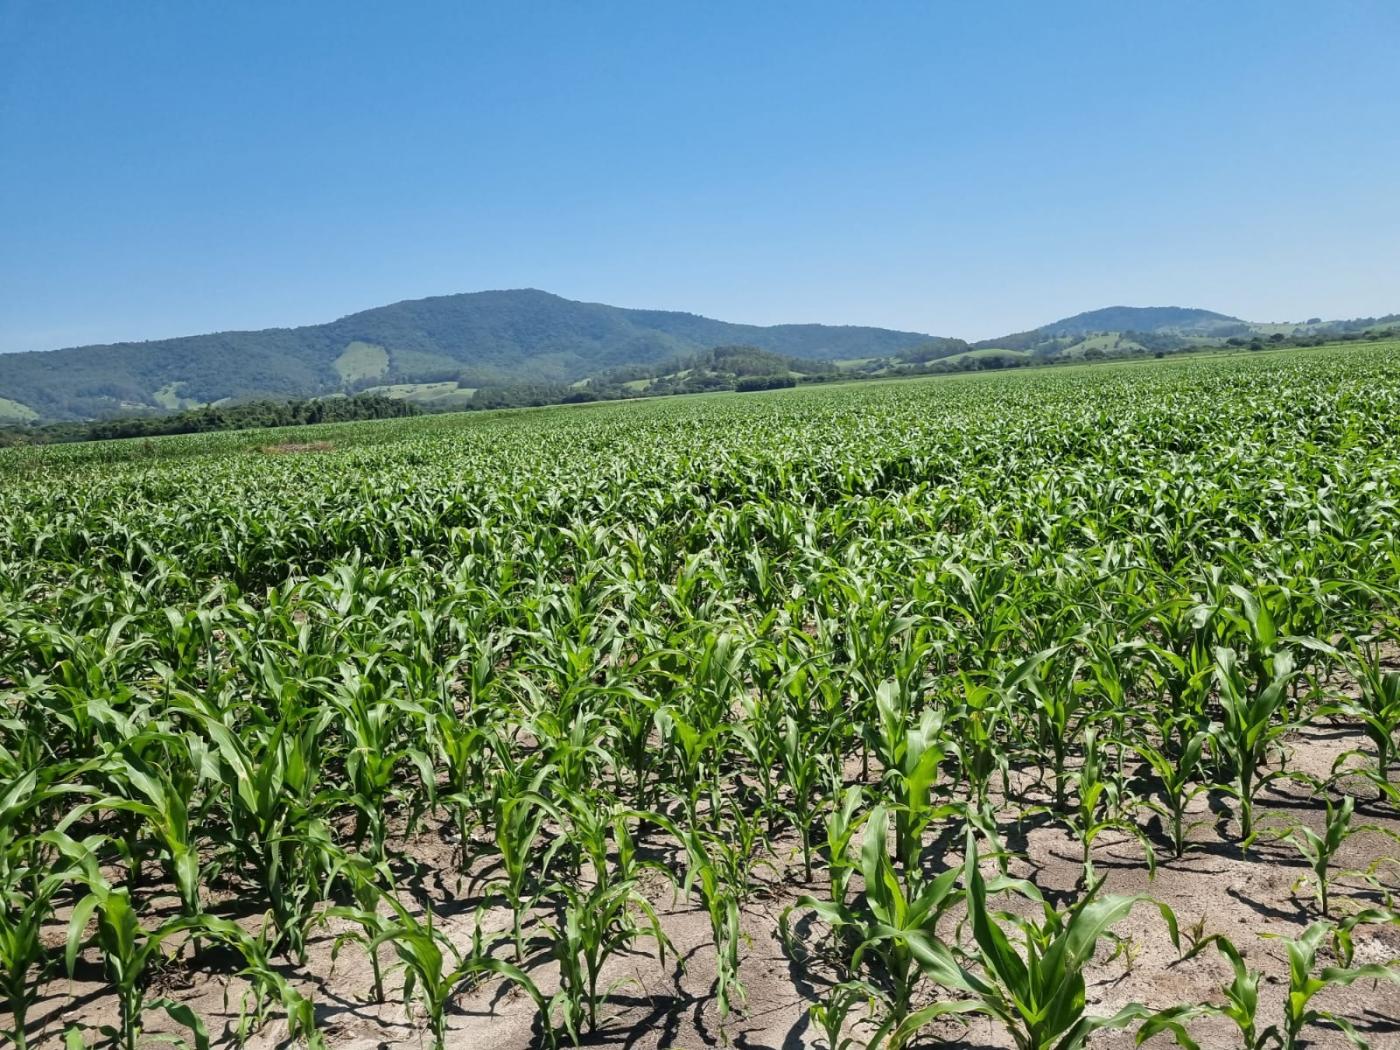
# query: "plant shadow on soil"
(651, 1007)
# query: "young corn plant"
(1344, 930)
(435, 970)
(1097, 806)
(974, 739)
(831, 1014)
(1377, 707)
(1252, 721)
(1051, 678)
(745, 840)
(1305, 980)
(910, 756)
(464, 750)
(802, 773)
(842, 823)
(275, 810)
(24, 959)
(32, 875)
(519, 821)
(128, 950)
(366, 883)
(1031, 982)
(893, 924)
(720, 899)
(759, 735)
(1180, 781)
(162, 802)
(914, 779)
(1319, 851)
(598, 923)
(1241, 1005)
(266, 986)
(696, 756)
(1185, 666)
(371, 713)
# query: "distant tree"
(770, 382)
(244, 416)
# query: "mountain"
(1144, 319)
(1179, 325)
(1140, 329)
(470, 340)
(441, 351)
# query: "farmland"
(1029, 710)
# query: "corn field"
(968, 711)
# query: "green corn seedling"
(1241, 1006)
(1249, 727)
(842, 823)
(127, 952)
(973, 739)
(721, 902)
(598, 923)
(1319, 850)
(802, 774)
(275, 811)
(163, 806)
(830, 1015)
(1181, 781)
(1305, 980)
(890, 924)
(1097, 803)
(24, 959)
(1032, 982)
(435, 970)
(520, 819)
(1377, 706)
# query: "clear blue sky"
(971, 169)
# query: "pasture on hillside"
(1039, 710)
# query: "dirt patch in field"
(292, 447)
(1254, 899)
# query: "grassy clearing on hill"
(361, 361)
(14, 412)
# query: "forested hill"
(1173, 321)
(441, 351)
(1143, 329)
(472, 339)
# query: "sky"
(958, 169)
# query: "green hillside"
(440, 351)
(433, 396)
(475, 339)
(990, 353)
(722, 368)
(1153, 329)
(360, 360)
(14, 412)
(1148, 327)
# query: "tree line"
(249, 415)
